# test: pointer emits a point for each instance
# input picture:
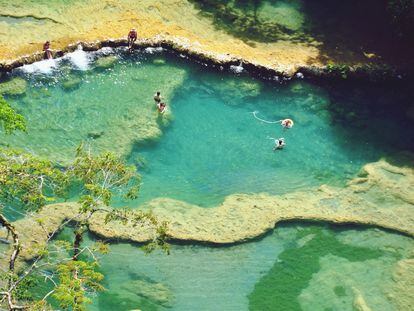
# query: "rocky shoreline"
(182, 46)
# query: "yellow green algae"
(13, 87)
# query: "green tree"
(10, 120)
(31, 183)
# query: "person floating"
(162, 107)
(132, 37)
(157, 98)
(47, 50)
(287, 123)
(279, 144)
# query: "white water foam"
(151, 50)
(79, 58)
(45, 66)
(105, 51)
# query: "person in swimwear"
(279, 144)
(162, 107)
(157, 98)
(132, 37)
(287, 123)
(46, 49)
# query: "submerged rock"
(402, 291)
(156, 292)
(359, 301)
(232, 89)
(95, 135)
(13, 87)
(71, 83)
(158, 61)
(105, 62)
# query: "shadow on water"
(346, 29)
(254, 20)
(372, 115)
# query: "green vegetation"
(30, 183)
(10, 120)
(340, 70)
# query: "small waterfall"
(45, 66)
(79, 58)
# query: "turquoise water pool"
(209, 145)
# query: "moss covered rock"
(159, 61)
(105, 62)
(71, 83)
(155, 292)
(13, 87)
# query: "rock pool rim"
(373, 73)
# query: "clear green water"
(211, 146)
(295, 267)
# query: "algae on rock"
(105, 62)
(13, 87)
(155, 292)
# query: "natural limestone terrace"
(217, 32)
(245, 217)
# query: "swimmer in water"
(132, 37)
(162, 107)
(46, 49)
(157, 98)
(287, 123)
(279, 144)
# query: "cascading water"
(79, 58)
(45, 66)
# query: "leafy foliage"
(76, 279)
(28, 180)
(10, 119)
(102, 176)
(143, 219)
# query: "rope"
(265, 121)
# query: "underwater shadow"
(252, 21)
(375, 116)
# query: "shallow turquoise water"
(214, 147)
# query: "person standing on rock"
(46, 49)
(132, 37)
